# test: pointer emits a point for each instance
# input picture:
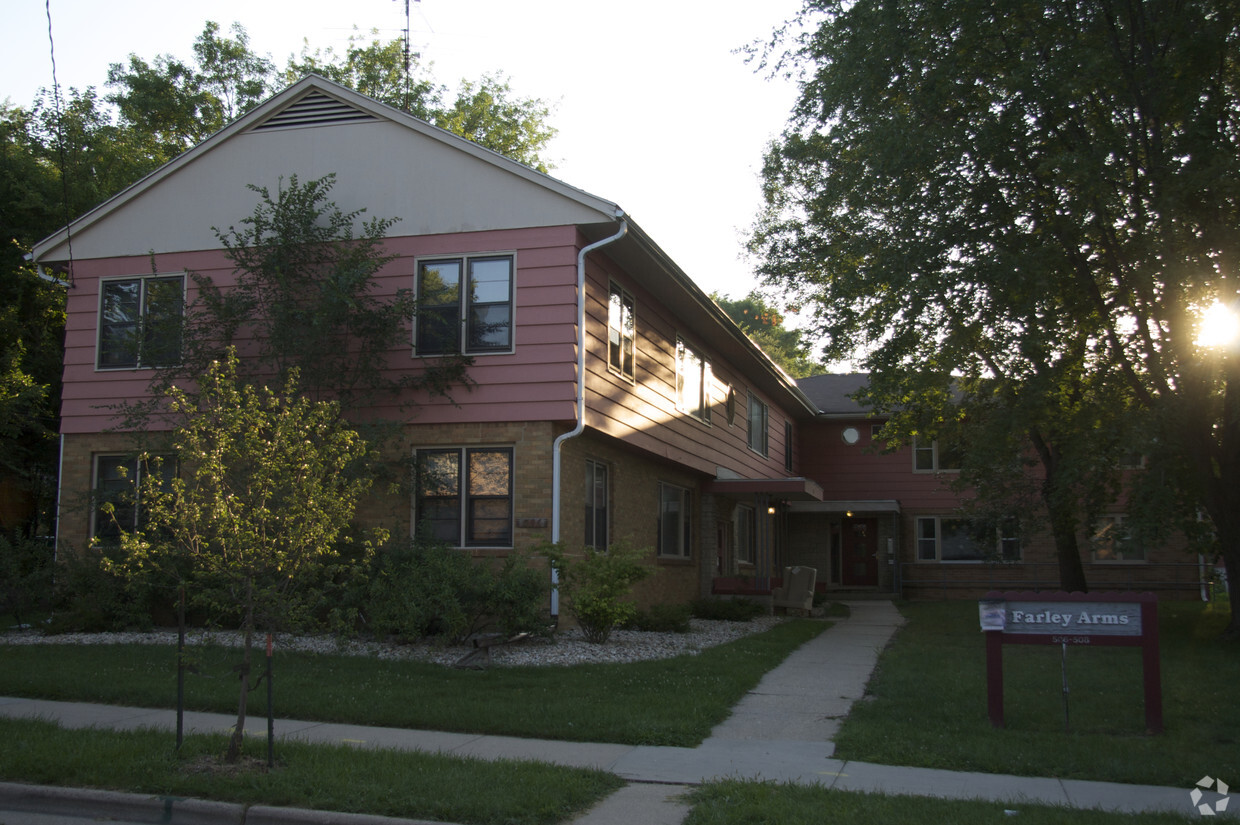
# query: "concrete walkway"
(781, 731)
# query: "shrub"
(25, 576)
(594, 584)
(420, 588)
(662, 618)
(727, 610)
(90, 598)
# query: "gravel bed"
(568, 647)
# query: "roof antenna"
(408, 80)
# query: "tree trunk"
(1061, 509)
(238, 734)
(1067, 550)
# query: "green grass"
(928, 703)
(668, 702)
(752, 803)
(335, 778)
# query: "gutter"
(558, 445)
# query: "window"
(464, 495)
(1113, 541)
(693, 380)
(944, 538)
(788, 446)
(731, 406)
(596, 505)
(117, 478)
(464, 305)
(674, 521)
(934, 457)
(758, 421)
(140, 322)
(744, 529)
(621, 332)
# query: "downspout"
(558, 444)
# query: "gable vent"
(315, 109)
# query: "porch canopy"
(765, 491)
(775, 489)
(860, 507)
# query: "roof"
(832, 393)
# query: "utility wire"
(60, 141)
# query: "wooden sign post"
(1107, 619)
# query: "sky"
(656, 110)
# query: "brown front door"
(860, 566)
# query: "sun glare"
(1219, 327)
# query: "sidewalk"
(781, 732)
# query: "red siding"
(536, 382)
(643, 412)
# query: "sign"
(1063, 618)
(1111, 619)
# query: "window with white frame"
(954, 539)
(745, 530)
(759, 421)
(693, 382)
(117, 480)
(1112, 541)
(934, 457)
(464, 305)
(621, 333)
(140, 321)
(464, 495)
(674, 521)
(597, 488)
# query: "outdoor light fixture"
(771, 509)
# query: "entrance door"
(860, 552)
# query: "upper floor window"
(465, 305)
(759, 420)
(935, 456)
(621, 333)
(674, 521)
(464, 495)
(945, 538)
(116, 481)
(693, 380)
(596, 505)
(1113, 541)
(140, 321)
(788, 446)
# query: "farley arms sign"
(1112, 619)
(1059, 618)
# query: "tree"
(765, 327)
(173, 104)
(252, 520)
(485, 111)
(305, 296)
(1041, 195)
(376, 69)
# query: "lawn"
(927, 703)
(324, 777)
(666, 702)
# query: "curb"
(172, 810)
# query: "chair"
(797, 591)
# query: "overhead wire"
(60, 143)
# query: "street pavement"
(781, 731)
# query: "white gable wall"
(384, 167)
